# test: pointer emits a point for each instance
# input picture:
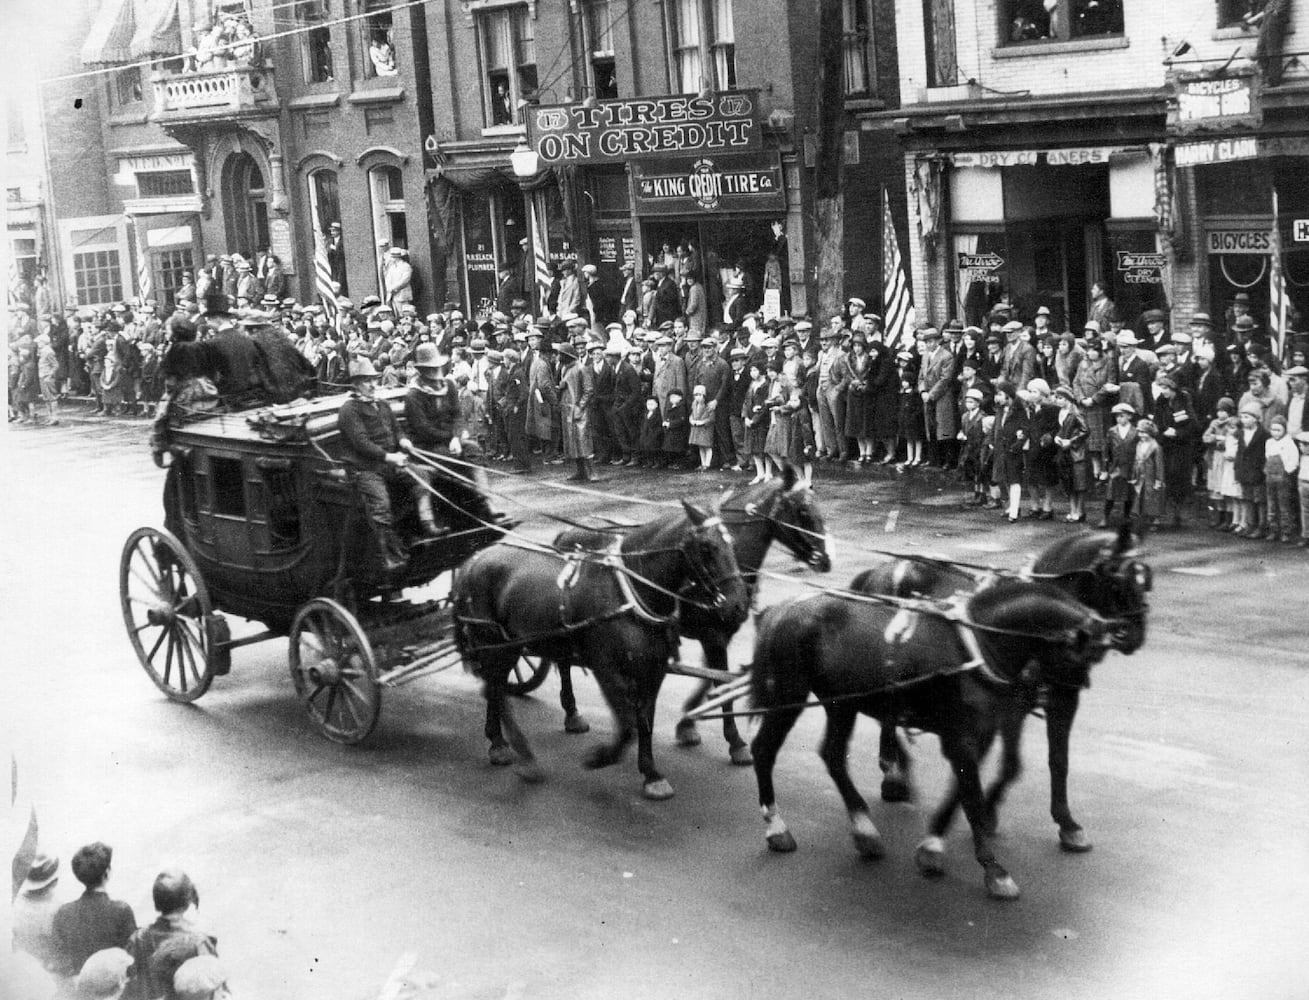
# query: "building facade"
(1050, 148)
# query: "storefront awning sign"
(750, 183)
(1192, 154)
(646, 128)
(1241, 241)
(1077, 156)
(1203, 103)
(1141, 268)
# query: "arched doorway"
(245, 205)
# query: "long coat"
(575, 391)
(542, 398)
(1008, 437)
(937, 380)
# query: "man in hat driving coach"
(375, 454)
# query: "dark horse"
(954, 673)
(614, 611)
(1098, 569)
(781, 509)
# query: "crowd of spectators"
(1141, 420)
(90, 946)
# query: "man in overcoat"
(576, 387)
(936, 386)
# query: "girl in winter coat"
(755, 414)
(1073, 462)
(1148, 476)
(910, 410)
(702, 427)
(1248, 467)
(677, 429)
(1216, 463)
(1095, 371)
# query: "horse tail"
(785, 655)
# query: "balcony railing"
(214, 93)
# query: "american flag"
(540, 253)
(1276, 288)
(897, 303)
(323, 276)
(144, 286)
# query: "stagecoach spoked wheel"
(529, 673)
(166, 610)
(334, 671)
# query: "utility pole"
(829, 199)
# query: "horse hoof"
(530, 772)
(896, 790)
(782, 843)
(1002, 888)
(869, 845)
(500, 756)
(741, 756)
(930, 857)
(575, 723)
(1074, 841)
(657, 790)
(687, 735)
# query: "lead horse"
(615, 611)
(953, 671)
(1097, 568)
(781, 509)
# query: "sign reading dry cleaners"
(750, 183)
(618, 131)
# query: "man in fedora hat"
(34, 911)
(398, 277)
(576, 387)
(667, 299)
(1134, 375)
(374, 454)
(936, 388)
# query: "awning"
(157, 30)
(111, 34)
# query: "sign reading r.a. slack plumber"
(646, 128)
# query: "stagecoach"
(263, 524)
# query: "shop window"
(856, 48)
(507, 48)
(1060, 20)
(97, 277)
(609, 189)
(127, 86)
(703, 44)
(164, 183)
(23, 254)
(171, 265)
(599, 27)
(227, 487)
(379, 39)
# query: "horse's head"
(714, 580)
(795, 521)
(1101, 570)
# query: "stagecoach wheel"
(166, 608)
(529, 673)
(334, 671)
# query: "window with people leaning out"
(1060, 20)
(379, 39)
(506, 42)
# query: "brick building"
(1049, 147)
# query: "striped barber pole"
(144, 285)
(897, 303)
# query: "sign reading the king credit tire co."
(647, 128)
(750, 183)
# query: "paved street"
(323, 870)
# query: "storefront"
(162, 201)
(1041, 227)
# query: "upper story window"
(1061, 20)
(856, 48)
(379, 39)
(16, 129)
(127, 86)
(315, 41)
(703, 44)
(507, 45)
(1240, 13)
(598, 23)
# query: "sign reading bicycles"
(646, 128)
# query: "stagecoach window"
(227, 482)
(283, 512)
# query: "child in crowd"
(756, 414)
(972, 435)
(1148, 476)
(1281, 462)
(1073, 461)
(152, 380)
(1248, 466)
(1120, 460)
(701, 436)
(911, 412)
(652, 435)
(1302, 484)
(677, 429)
(1216, 464)
(472, 412)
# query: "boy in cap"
(200, 978)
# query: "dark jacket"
(1249, 465)
(369, 432)
(431, 416)
(94, 922)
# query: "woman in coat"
(1120, 462)
(1042, 454)
(883, 397)
(1178, 437)
(1008, 441)
(858, 403)
(1095, 371)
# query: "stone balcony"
(213, 94)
